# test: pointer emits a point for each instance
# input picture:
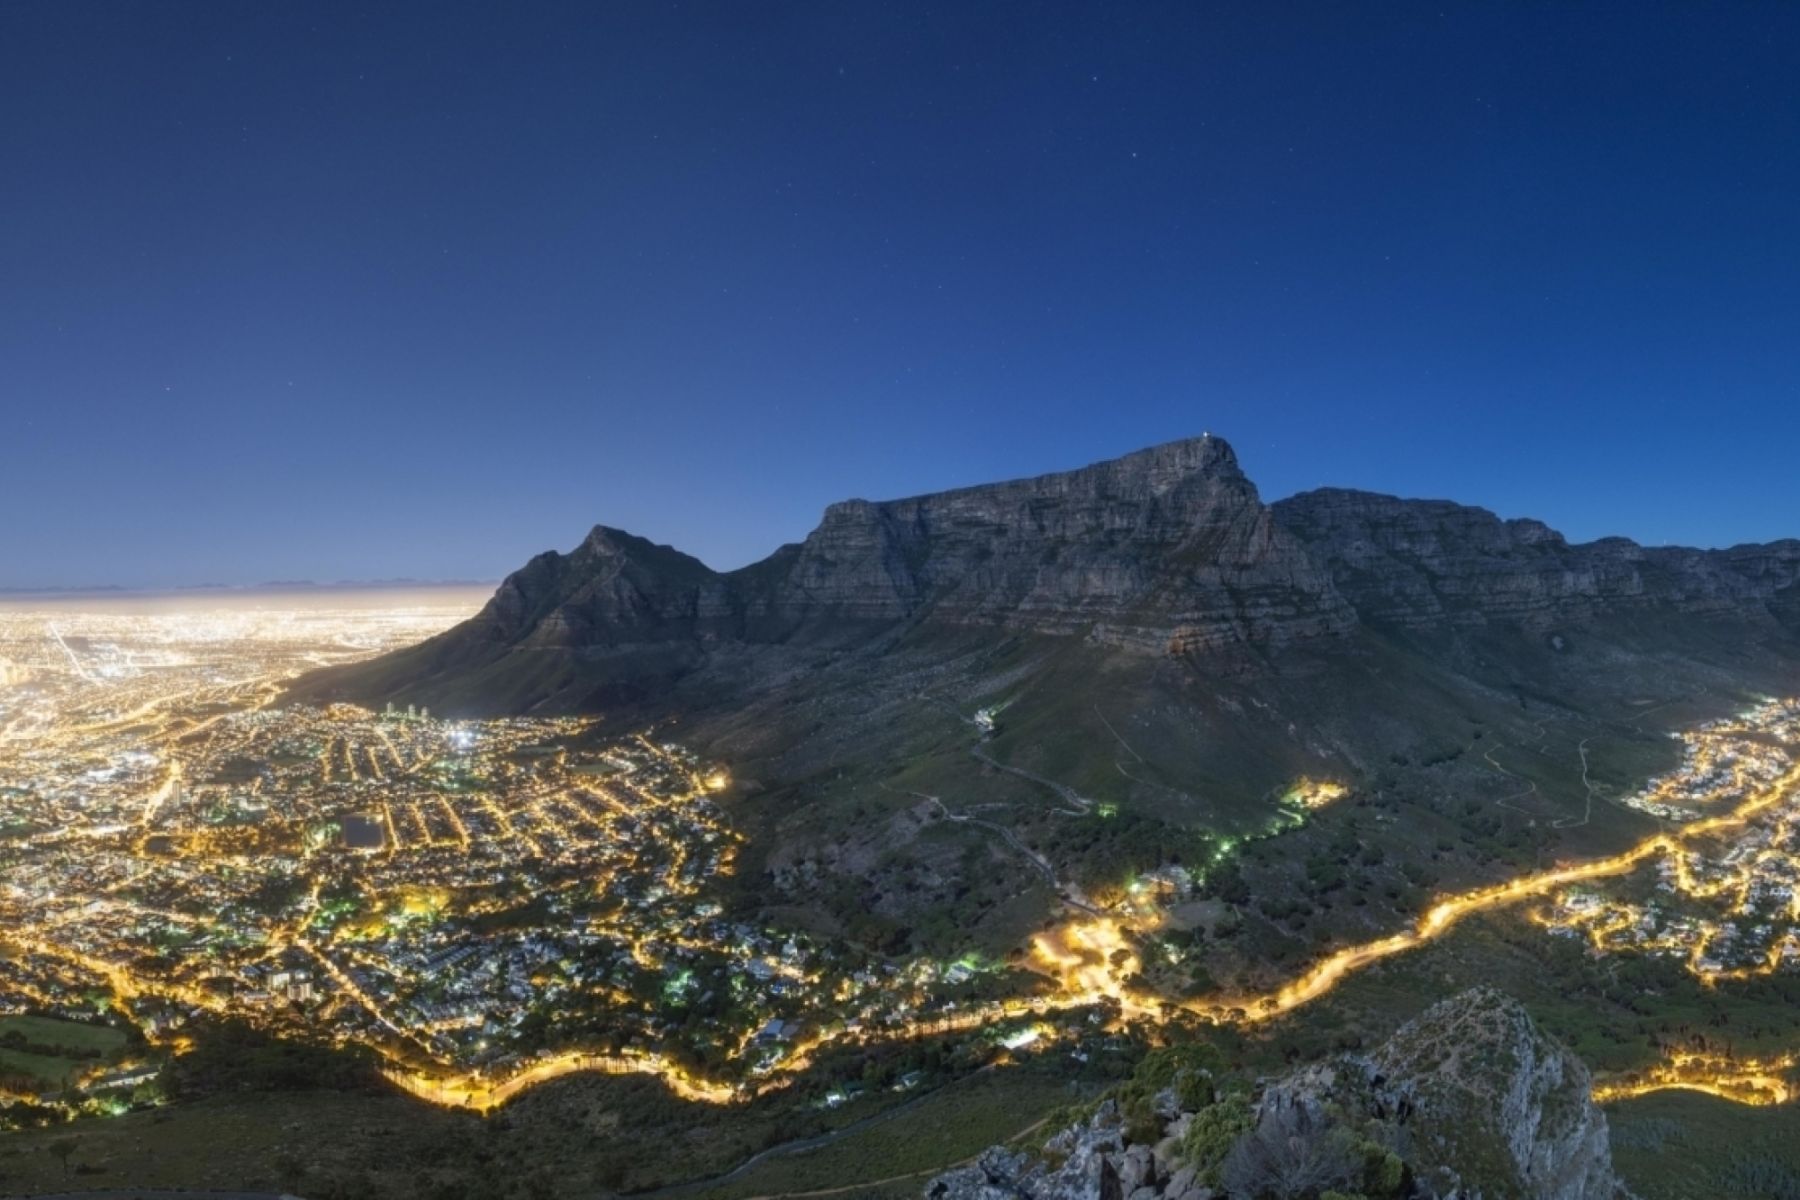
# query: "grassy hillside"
(1682, 1145)
(579, 1137)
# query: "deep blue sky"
(310, 290)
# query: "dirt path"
(1116, 735)
(1531, 788)
(1588, 814)
(1080, 805)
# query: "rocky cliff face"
(1468, 1100)
(1431, 563)
(1092, 1160)
(1491, 1101)
(1166, 546)
(613, 589)
(1166, 551)
(1169, 545)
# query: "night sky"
(304, 290)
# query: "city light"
(426, 887)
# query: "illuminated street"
(1753, 1081)
(1727, 903)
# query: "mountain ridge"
(1416, 562)
(1168, 550)
(1169, 657)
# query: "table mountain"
(1162, 646)
(1168, 549)
(1165, 552)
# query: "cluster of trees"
(1102, 850)
(229, 1056)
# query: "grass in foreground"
(1680, 1145)
(583, 1136)
(951, 1126)
(66, 1035)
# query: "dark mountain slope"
(1165, 647)
(1168, 549)
(1167, 552)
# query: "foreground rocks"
(1088, 1160)
(1482, 1082)
(1469, 1100)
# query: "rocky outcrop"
(1480, 1101)
(1468, 1100)
(1491, 1100)
(1166, 545)
(1092, 1160)
(1432, 563)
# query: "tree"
(1211, 1134)
(62, 1149)
(1291, 1154)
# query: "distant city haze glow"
(416, 291)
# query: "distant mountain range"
(274, 585)
(60, 591)
(350, 585)
(1167, 552)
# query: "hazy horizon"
(275, 585)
